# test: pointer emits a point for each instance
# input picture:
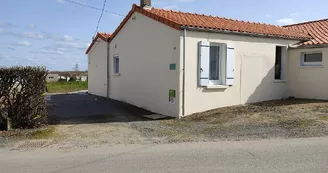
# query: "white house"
(177, 64)
(308, 64)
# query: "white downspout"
(184, 72)
(108, 71)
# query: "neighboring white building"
(54, 76)
(98, 65)
(308, 72)
(178, 64)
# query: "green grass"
(64, 87)
(44, 133)
(324, 118)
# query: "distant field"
(64, 87)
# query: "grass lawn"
(64, 87)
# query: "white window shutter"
(204, 62)
(230, 69)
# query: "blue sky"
(56, 33)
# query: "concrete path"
(266, 156)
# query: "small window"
(279, 70)
(311, 59)
(116, 64)
(50, 77)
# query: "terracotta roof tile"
(178, 20)
(218, 23)
(102, 35)
(317, 29)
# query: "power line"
(102, 12)
(95, 8)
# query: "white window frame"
(116, 69)
(307, 64)
(222, 64)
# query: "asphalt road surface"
(279, 155)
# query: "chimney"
(145, 3)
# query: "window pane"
(277, 73)
(214, 62)
(313, 57)
(116, 64)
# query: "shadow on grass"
(287, 102)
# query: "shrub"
(62, 80)
(22, 96)
(72, 79)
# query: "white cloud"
(31, 59)
(72, 45)
(22, 43)
(32, 35)
(294, 14)
(48, 52)
(39, 36)
(286, 21)
(3, 56)
(171, 7)
(289, 20)
(185, 1)
(31, 26)
(6, 25)
(60, 38)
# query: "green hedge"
(22, 96)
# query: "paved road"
(297, 155)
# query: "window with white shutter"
(216, 64)
(204, 63)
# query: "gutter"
(310, 46)
(108, 76)
(241, 33)
(184, 72)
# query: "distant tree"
(76, 74)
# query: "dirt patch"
(273, 119)
(282, 118)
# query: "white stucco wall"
(308, 82)
(146, 48)
(97, 69)
(254, 72)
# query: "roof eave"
(242, 33)
(95, 40)
(311, 46)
